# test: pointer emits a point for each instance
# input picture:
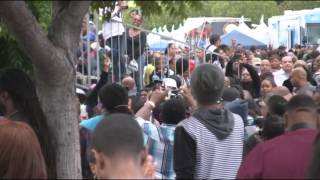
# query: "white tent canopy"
(261, 33)
(152, 38)
(195, 22)
(243, 27)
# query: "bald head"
(300, 63)
(300, 72)
(301, 109)
(282, 91)
(298, 77)
(128, 82)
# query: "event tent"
(241, 38)
(160, 45)
(262, 32)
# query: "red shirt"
(192, 65)
(285, 157)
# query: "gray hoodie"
(218, 121)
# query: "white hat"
(80, 91)
(169, 82)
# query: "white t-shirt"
(210, 48)
(280, 76)
(217, 63)
(113, 27)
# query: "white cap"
(169, 82)
(80, 91)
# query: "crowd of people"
(231, 118)
(219, 112)
(244, 114)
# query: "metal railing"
(122, 55)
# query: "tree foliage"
(298, 5)
(155, 12)
(248, 9)
(42, 10)
(95, 5)
(10, 54)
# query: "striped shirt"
(216, 159)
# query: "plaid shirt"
(160, 145)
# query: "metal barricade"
(124, 57)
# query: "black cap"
(230, 94)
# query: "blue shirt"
(160, 141)
(91, 123)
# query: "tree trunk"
(62, 110)
(54, 62)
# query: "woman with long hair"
(19, 102)
(20, 152)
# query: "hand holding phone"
(158, 96)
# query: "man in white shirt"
(215, 42)
(284, 73)
(113, 31)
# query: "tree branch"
(67, 23)
(77, 9)
(72, 9)
(58, 7)
(30, 36)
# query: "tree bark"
(62, 110)
(54, 62)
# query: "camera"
(174, 93)
(171, 85)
